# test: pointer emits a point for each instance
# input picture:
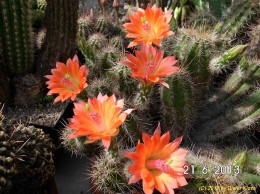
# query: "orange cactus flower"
(99, 118)
(149, 26)
(149, 65)
(67, 80)
(158, 163)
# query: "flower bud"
(240, 160)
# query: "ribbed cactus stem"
(61, 26)
(113, 148)
(236, 86)
(178, 103)
(16, 37)
(240, 14)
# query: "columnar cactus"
(16, 37)
(61, 26)
(107, 174)
(178, 103)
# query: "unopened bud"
(240, 160)
(233, 53)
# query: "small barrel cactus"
(33, 157)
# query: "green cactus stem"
(107, 174)
(16, 37)
(240, 15)
(178, 103)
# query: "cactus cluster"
(192, 102)
(16, 37)
(100, 41)
(214, 94)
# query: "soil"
(46, 115)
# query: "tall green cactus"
(178, 103)
(219, 170)
(16, 37)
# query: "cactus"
(85, 26)
(16, 37)
(38, 13)
(100, 41)
(241, 81)
(107, 174)
(76, 146)
(61, 32)
(26, 157)
(7, 165)
(178, 103)
(254, 44)
(241, 13)
(33, 156)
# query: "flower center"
(95, 117)
(66, 80)
(159, 165)
(149, 67)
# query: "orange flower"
(158, 163)
(148, 26)
(99, 118)
(67, 80)
(149, 65)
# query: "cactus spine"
(107, 174)
(16, 36)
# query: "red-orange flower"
(158, 163)
(149, 65)
(99, 118)
(149, 26)
(67, 80)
